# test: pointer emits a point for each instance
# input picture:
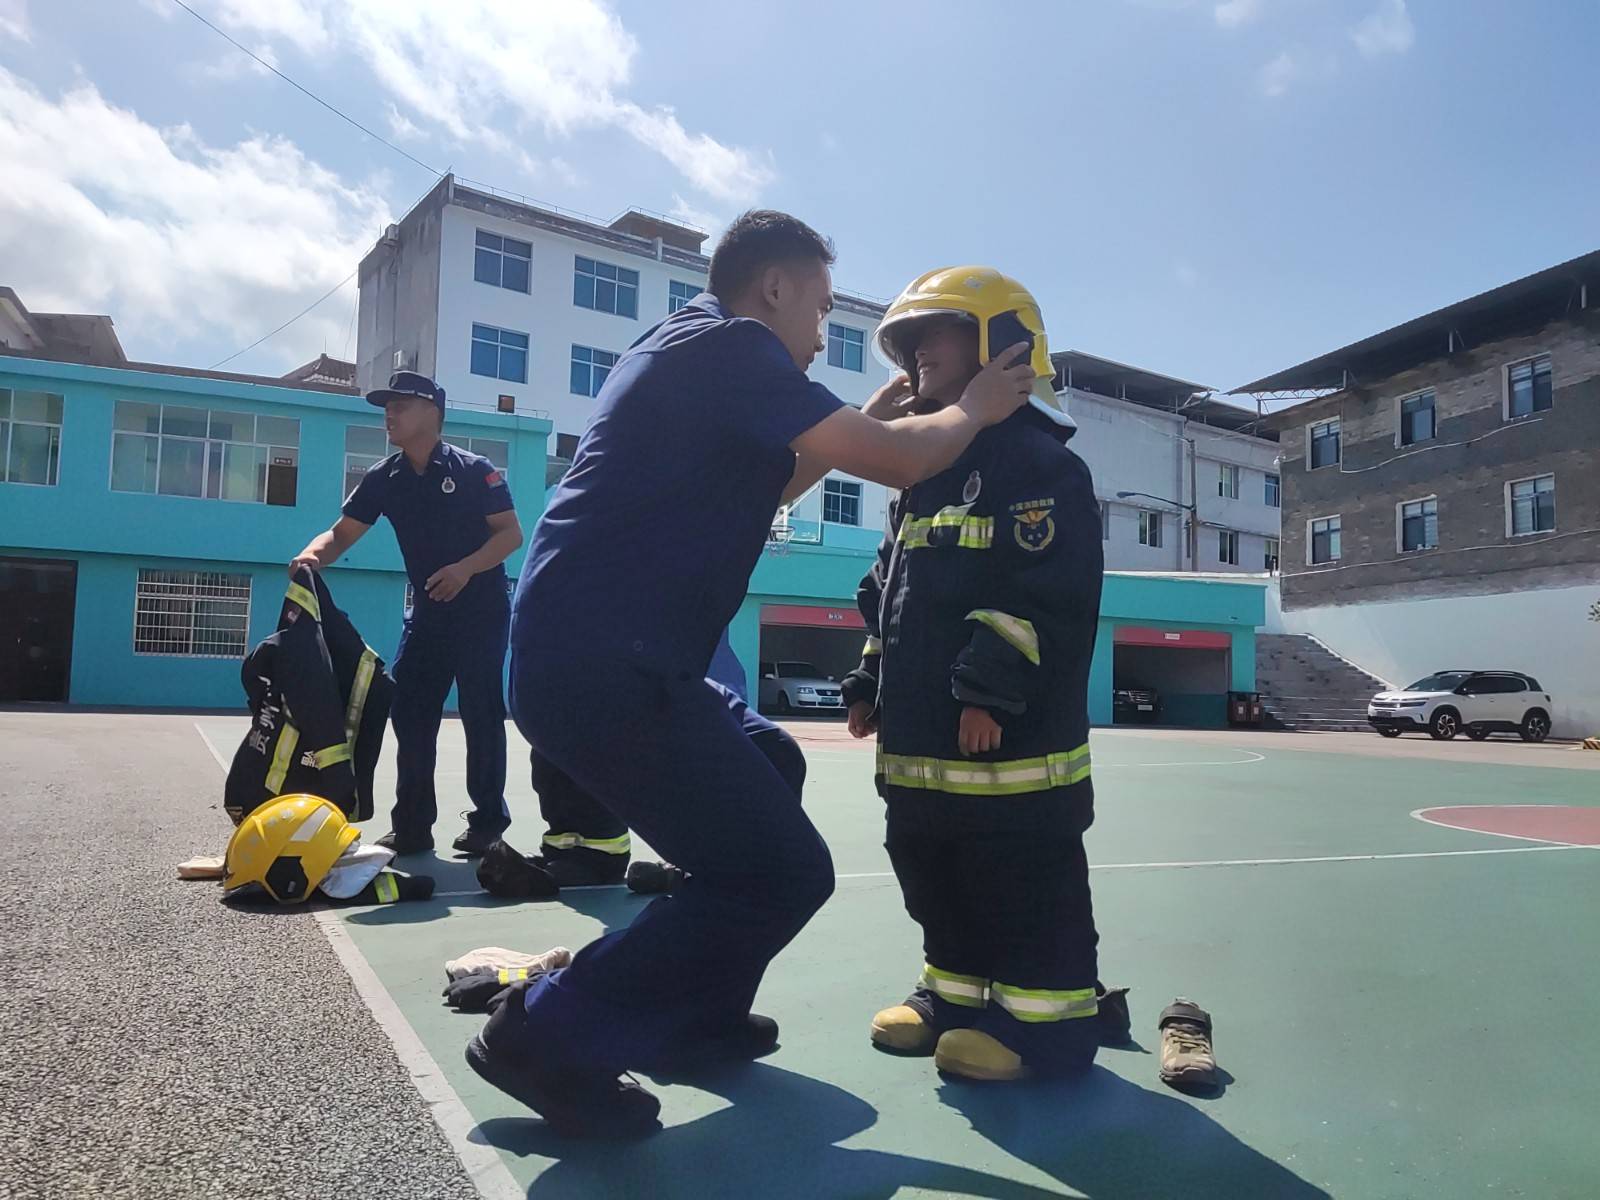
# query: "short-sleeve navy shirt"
(438, 517)
(645, 551)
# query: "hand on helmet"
(893, 400)
(1001, 387)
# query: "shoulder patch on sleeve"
(1032, 525)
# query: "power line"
(306, 91)
(287, 323)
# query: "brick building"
(1441, 490)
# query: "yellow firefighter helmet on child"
(1004, 311)
(288, 845)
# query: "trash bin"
(1244, 708)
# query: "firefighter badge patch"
(1032, 525)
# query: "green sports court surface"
(1404, 1003)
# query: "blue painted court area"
(1403, 1008)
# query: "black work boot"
(1113, 1020)
(404, 844)
(653, 878)
(575, 1102)
(586, 869)
(474, 842)
(751, 1038)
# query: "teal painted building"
(146, 515)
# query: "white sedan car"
(1476, 703)
(791, 687)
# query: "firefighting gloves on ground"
(480, 980)
(504, 872)
(489, 959)
(653, 878)
(1187, 1061)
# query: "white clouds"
(102, 212)
(1277, 76)
(699, 218)
(481, 70)
(14, 20)
(1232, 13)
(402, 126)
(1387, 30)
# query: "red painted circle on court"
(1556, 823)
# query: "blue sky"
(1210, 188)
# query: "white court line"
(1547, 843)
(1180, 865)
(482, 1162)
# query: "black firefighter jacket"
(986, 592)
(319, 698)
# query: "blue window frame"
(589, 369)
(845, 346)
(680, 293)
(499, 353)
(605, 288)
(502, 261)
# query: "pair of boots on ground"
(506, 872)
(1187, 1060)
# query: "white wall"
(1131, 448)
(1545, 633)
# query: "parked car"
(791, 687)
(1476, 703)
(1132, 701)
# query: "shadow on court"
(778, 1138)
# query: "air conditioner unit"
(404, 361)
(391, 236)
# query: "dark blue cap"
(408, 385)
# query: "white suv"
(1477, 703)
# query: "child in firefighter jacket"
(981, 610)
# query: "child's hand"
(894, 399)
(862, 723)
(979, 731)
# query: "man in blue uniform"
(452, 515)
(642, 559)
(586, 844)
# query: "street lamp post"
(1192, 509)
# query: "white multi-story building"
(1182, 486)
(518, 306)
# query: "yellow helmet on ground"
(1004, 311)
(287, 846)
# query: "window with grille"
(191, 614)
(30, 437)
(605, 288)
(1150, 529)
(846, 347)
(365, 446)
(1417, 419)
(841, 501)
(1528, 387)
(1270, 555)
(590, 369)
(500, 353)
(502, 261)
(680, 293)
(1419, 525)
(1324, 448)
(206, 454)
(1324, 539)
(1532, 505)
(1228, 547)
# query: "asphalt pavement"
(155, 1042)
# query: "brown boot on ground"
(901, 1030)
(1187, 1061)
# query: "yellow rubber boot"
(975, 1055)
(903, 1030)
